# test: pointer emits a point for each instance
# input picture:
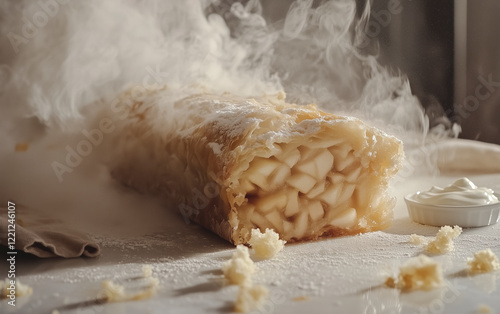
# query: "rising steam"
(59, 58)
(85, 51)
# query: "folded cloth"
(47, 237)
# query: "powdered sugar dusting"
(217, 148)
(344, 273)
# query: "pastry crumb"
(240, 267)
(7, 286)
(443, 243)
(250, 297)
(239, 270)
(21, 147)
(483, 261)
(114, 292)
(484, 309)
(266, 245)
(418, 239)
(147, 271)
(418, 273)
(301, 298)
(390, 282)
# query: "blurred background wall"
(449, 49)
(482, 72)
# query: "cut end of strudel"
(233, 164)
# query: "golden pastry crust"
(232, 164)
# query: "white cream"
(462, 192)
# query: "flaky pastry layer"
(232, 164)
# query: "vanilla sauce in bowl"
(461, 203)
(462, 192)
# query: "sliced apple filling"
(307, 188)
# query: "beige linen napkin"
(45, 236)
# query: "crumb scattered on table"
(483, 261)
(250, 297)
(21, 147)
(21, 289)
(240, 267)
(418, 239)
(418, 273)
(443, 243)
(114, 292)
(266, 245)
(147, 271)
(484, 309)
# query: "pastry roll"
(232, 164)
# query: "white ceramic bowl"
(463, 216)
